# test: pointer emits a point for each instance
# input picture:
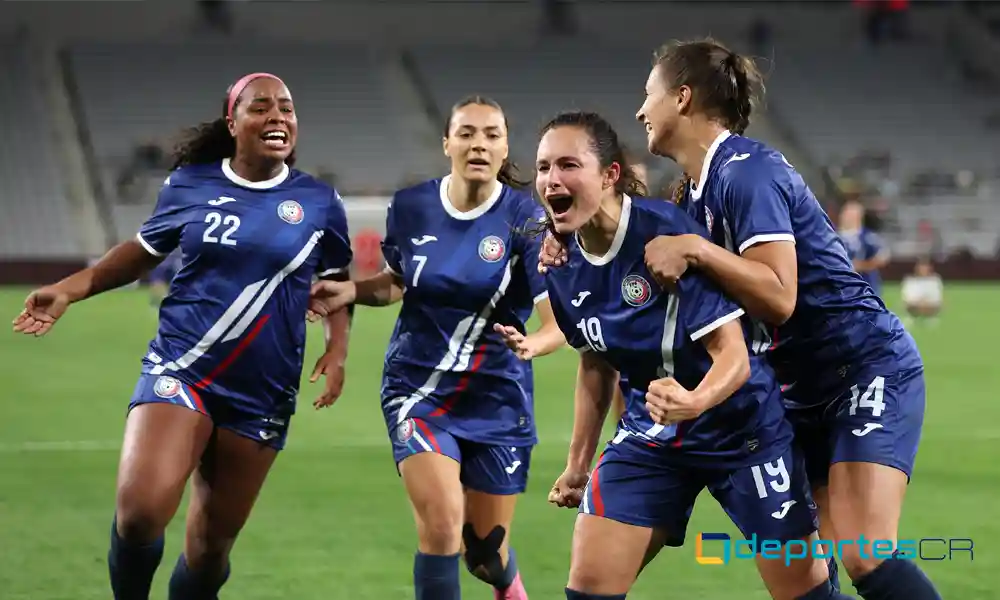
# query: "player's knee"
(205, 550)
(857, 561)
(587, 581)
(141, 518)
(482, 555)
(796, 572)
(440, 530)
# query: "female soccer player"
(865, 248)
(699, 411)
(457, 402)
(852, 375)
(219, 382)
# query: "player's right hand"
(42, 308)
(330, 296)
(552, 254)
(567, 491)
(519, 343)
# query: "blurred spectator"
(215, 14)
(558, 17)
(884, 19)
(760, 37)
(150, 157)
(923, 291)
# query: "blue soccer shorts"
(878, 420)
(487, 468)
(270, 430)
(633, 484)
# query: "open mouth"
(560, 204)
(479, 162)
(277, 140)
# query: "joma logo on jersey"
(491, 249)
(636, 290)
(167, 387)
(291, 212)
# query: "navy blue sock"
(834, 574)
(509, 573)
(824, 591)
(186, 584)
(435, 577)
(896, 579)
(575, 595)
(132, 566)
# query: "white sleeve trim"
(146, 245)
(583, 349)
(766, 237)
(543, 296)
(707, 329)
(389, 269)
(333, 271)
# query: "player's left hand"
(332, 368)
(668, 402)
(666, 258)
(521, 344)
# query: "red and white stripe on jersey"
(245, 305)
(461, 345)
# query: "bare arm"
(764, 280)
(548, 338)
(381, 290)
(122, 265)
(730, 364)
(337, 328)
(595, 383)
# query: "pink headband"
(239, 86)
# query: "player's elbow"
(781, 307)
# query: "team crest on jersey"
(636, 290)
(404, 431)
(167, 387)
(291, 212)
(491, 249)
(709, 219)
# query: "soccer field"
(333, 521)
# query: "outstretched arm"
(379, 290)
(123, 264)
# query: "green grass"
(333, 521)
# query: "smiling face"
(660, 113)
(570, 180)
(264, 122)
(476, 142)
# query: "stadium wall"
(366, 218)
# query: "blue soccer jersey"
(610, 305)
(463, 272)
(233, 325)
(865, 244)
(749, 194)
